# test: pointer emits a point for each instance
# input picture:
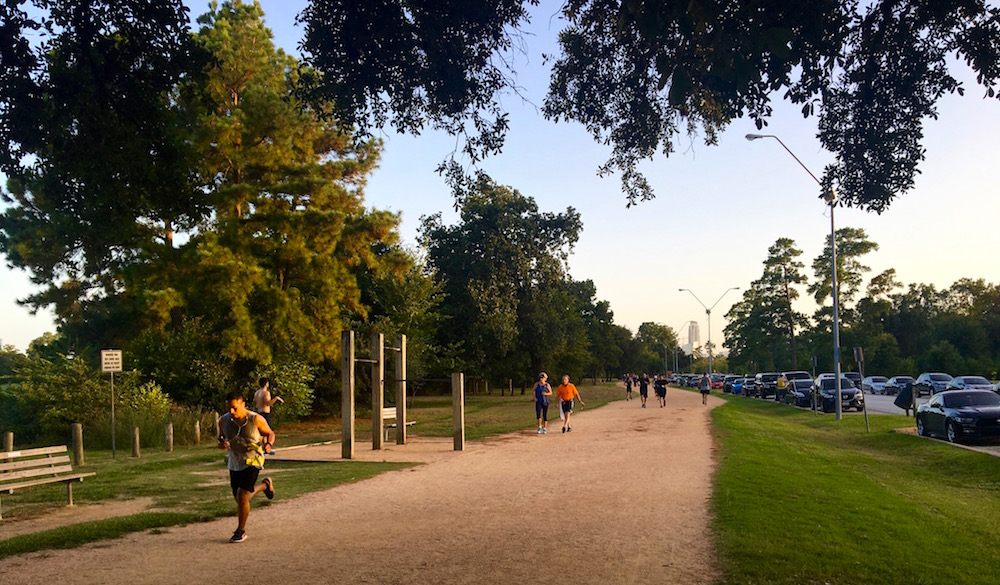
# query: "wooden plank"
(35, 472)
(378, 389)
(347, 394)
(63, 478)
(4, 467)
(33, 452)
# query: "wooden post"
(8, 442)
(215, 425)
(77, 444)
(458, 409)
(135, 442)
(197, 432)
(347, 394)
(401, 390)
(510, 386)
(168, 437)
(378, 386)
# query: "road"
(880, 404)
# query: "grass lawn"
(191, 484)
(804, 499)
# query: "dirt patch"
(75, 514)
(602, 504)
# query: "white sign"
(111, 360)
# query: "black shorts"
(661, 392)
(542, 410)
(643, 392)
(567, 405)
(246, 479)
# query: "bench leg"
(69, 492)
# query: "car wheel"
(921, 429)
(952, 431)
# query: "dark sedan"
(960, 414)
(800, 392)
(850, 396)
(898, 383)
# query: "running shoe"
(545, 431)
(269, 489)
(539, 431)
(238, 536)
(568, 429)
(564, 429)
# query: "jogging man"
(628, 387)
(567, 391)
(262, 400)
(660, 385)
(705, 385)
(247, 436)
(644, 389)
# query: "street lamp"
(831, 199)
(708, 311)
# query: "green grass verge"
(803, 499)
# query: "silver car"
(969, 383)
(874, 384)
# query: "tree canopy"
(638, 75)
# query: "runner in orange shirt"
(566, 393)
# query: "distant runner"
(628, 387)
(567, 391)
(542, 393)
(247, 436)
(643, 389)
(705, 384)
(660, 385)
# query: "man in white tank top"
(247, 437)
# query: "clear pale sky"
(717, 209)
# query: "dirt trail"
(623, 498)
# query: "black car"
(850, 396)
(766, 384)
(960, 414)
(931, 383)
(727, 384)
(898, 383)
(800, 392)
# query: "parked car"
(874, 384)
(766, 384)
(996, 387)
(931, 383)
(798, 375)
(738, 385)
(727, 384)
(960, 414)
(969, 383)
(800, 392)
(717, 381)
(850, 396)
(897, 383)
(853, 377)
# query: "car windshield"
(802, 384)
(940, 377)
(768, 377)
(830, 383)
(963, 399)
(879, 379)
(976, 380)
(903, 379)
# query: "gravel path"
(623, 498)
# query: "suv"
(853, 377)
(766, 384)
(931, 383)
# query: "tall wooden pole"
(347, 394)
(378, 386)
(401, 390)
(458, 409)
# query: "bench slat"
(4, 467)
(61, 479)
(34, 473)
(32, 452)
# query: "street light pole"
(831, 198)
(708, 311)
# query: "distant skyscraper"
(694, 338)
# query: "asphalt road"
(880, 404)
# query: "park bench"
(390, 414)
(31, 467)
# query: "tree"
(638, 74)
(852, 244)
(502, 269)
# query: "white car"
(969, 383)
(874, 384)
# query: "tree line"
(172, 193)
(902, 329)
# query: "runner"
(567, 391)
(660, 385)
(644, 389)
(705, 384)
(262, 400)
(628, 387)
(247, 436)
(542, 393)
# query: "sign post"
(111, 362)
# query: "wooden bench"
(31, 467)
(390, 414)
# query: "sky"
(718, 208)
